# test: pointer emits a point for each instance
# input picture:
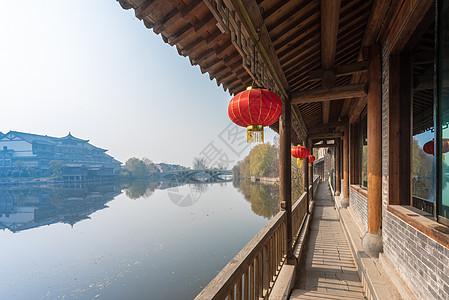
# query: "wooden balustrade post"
(285, 188)
(372, 240)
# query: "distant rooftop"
(50, 140)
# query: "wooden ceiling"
(308, 51)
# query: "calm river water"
(135, 241)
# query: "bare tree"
(199, 163)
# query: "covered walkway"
(327, 270)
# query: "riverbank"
(265, 180)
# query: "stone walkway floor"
(328, 270)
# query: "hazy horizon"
(92, 69)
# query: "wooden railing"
(251, 273)
(299, 211)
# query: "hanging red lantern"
(429, 146)
(311, 160)
(255, 109)
(300, 152)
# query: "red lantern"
(429, 146)
(300, 152)
(255, 109)
(311, 160)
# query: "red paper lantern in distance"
(255, 109)
(429, 146)
(311, 159)
(300, 152)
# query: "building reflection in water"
(23, 208)
(31, 207)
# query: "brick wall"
(359, 204)
(421, 262)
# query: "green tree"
(136, 167)
(262, 159)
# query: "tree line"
(263, 161)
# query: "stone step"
(298, 294)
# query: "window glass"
(422, 167)
(363, 150)
(443, 95)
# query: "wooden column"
(354, 153)
(374, 120)
(285, 125)
(305, 177)
(337, 168)
(311, 178)
(346, 160)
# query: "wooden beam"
(404, 24)
(324, 146)
(323, 139)
(335, 93)
(250, 14)
(375, 22)
(330, 16)
(341, 70)
(323, 136)
(356, 110)
(330, 125)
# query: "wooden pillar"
(285, 188)
(374, 120)
(311, 178)
(354, 153)
(346, 160)
(337, 168)
(305, 177)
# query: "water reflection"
(30, 207)
(263, 197)
(134, 249)
(23, 208)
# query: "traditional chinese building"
(37, 151)
(367, 79)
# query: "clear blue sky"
(93, 69)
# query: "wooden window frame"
(399, 158)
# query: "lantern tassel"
(299, 162)
(254, 134)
